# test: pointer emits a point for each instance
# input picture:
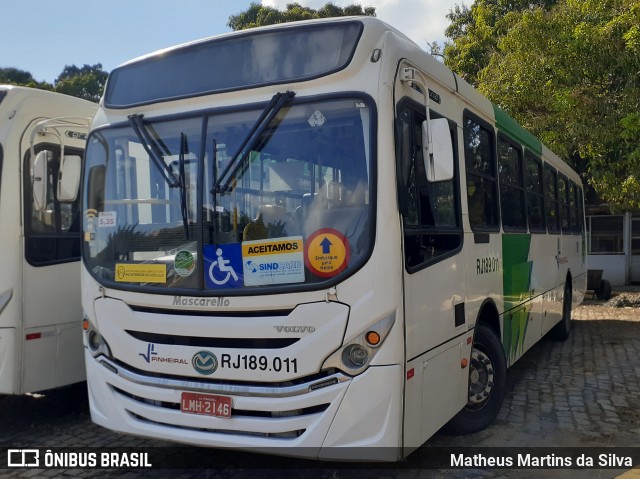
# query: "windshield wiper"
(153, 149)
(277, 102)
(184, 149)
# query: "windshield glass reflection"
(294, 211)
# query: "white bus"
(40, 311)
(314, 237)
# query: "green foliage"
(476, 31)
(87, 82)
(15, 76)
(568, 72)
(619, 180)
(259, 15)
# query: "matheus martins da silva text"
(542, 461)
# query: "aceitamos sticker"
(273, 261)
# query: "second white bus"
(42, 134)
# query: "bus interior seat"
(269, 223)
(305, 206)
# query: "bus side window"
(573, 207)
(512, 190)
(551, 192)
(430, 210)
(565, 209)
(535, 195)
(580, 209)
(52, 235)
(480, 160)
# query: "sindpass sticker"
(273, 261)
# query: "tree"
(258, 15)
(15, 76)
(87, 82)
(569, 73)
(476, 31)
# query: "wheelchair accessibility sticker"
(223, 266)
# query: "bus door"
(433, 277)
(51, 330)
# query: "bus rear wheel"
(487, 384)
(562, 330)
(603, 292)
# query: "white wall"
(613, 266)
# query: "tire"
(604, 290)
(562, 330)
(487, 384)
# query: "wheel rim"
(481, 377)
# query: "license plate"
(205, 404)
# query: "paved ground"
(583, 392)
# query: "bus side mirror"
(69, 178)
(39, 180)
(96, 187)
(439, 164)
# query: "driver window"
(430, 211)
(52, 235)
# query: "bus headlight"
(356, 354)
(96, 343)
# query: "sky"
(43, 36)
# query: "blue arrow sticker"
(326, 245)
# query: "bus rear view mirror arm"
(437, 149)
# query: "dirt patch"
(623, 306)
(624, 300)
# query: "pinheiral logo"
(204, 362)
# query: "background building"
(613, 243)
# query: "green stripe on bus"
(508, 125)
(516, 280)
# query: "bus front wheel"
(487, 384)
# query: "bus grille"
(234, 412)
(231, 343)
(275, 435)
(257, 408)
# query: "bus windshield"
(294, 211)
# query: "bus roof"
(18, 91)
(365, 20)
(252, 58)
